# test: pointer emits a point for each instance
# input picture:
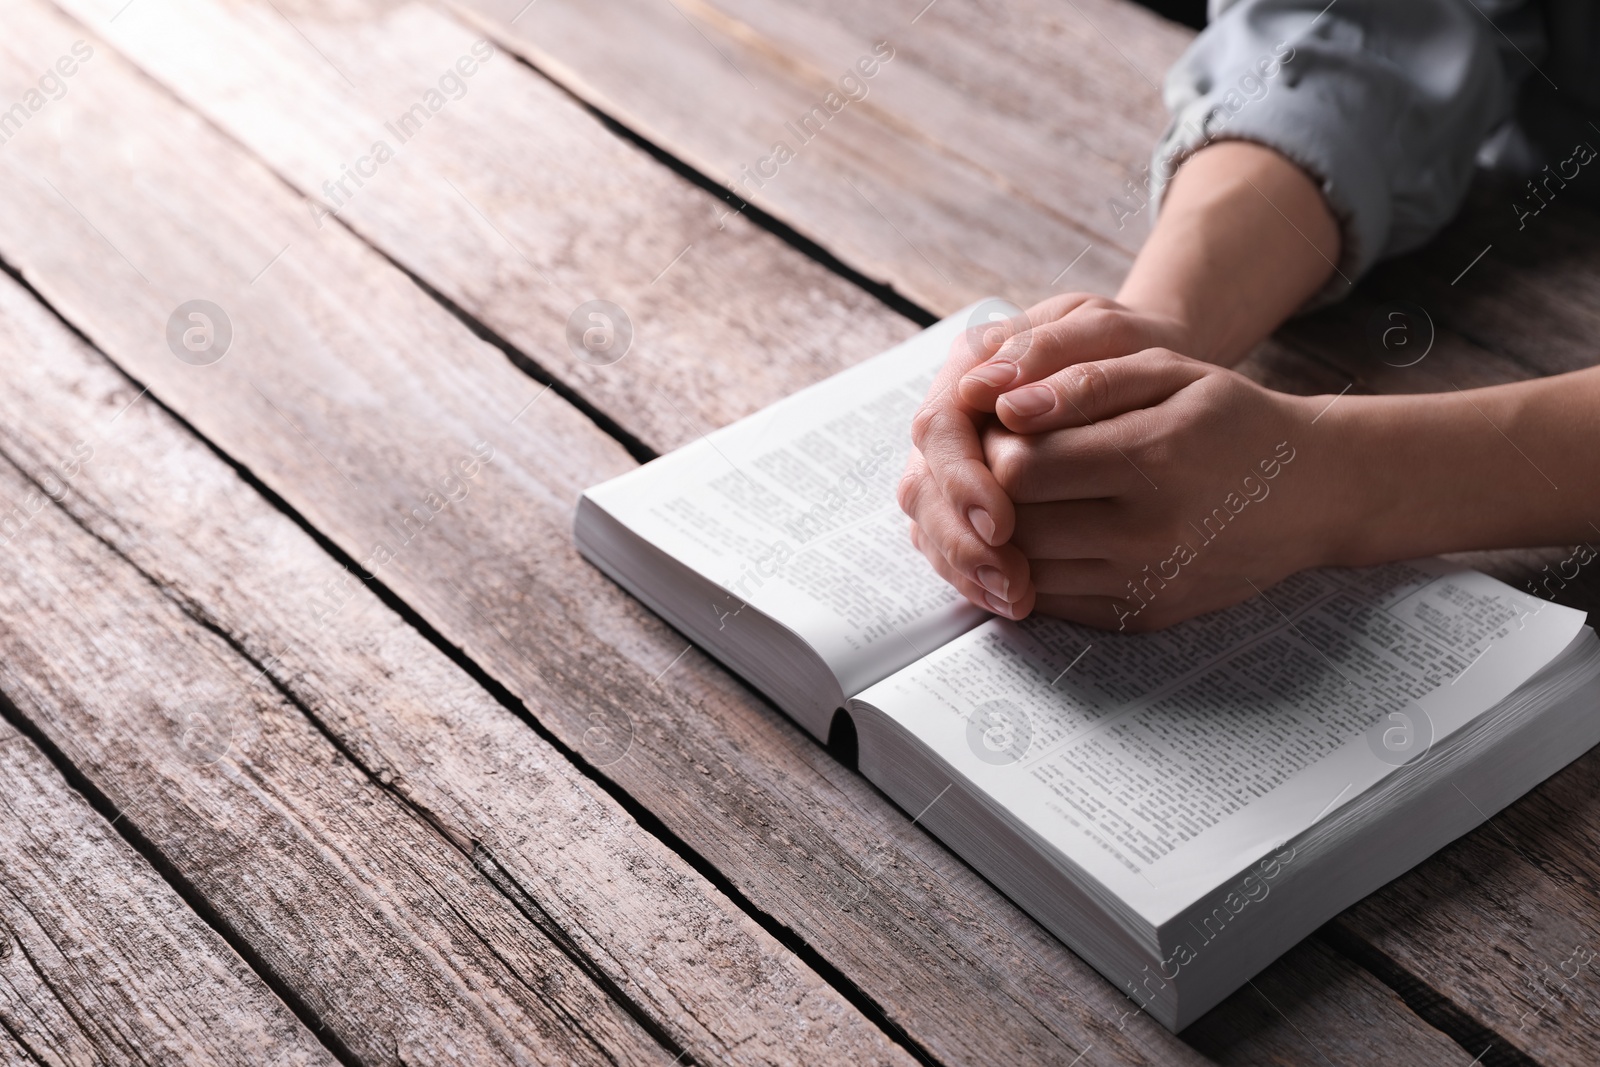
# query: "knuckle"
(944, 427)
(929, 545)
(909, 491)
(1169, 358)
(1107, 320)
(1008, 463)
(1055, 307)
(922, 423)
(1093, 309)
(1088, 386)
(1173, 533)
(1195, 371)
(1222, 387)
(966, 554)
(963, 488)
(1126, 331)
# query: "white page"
(1165, 763)
(792, 511)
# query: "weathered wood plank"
(328, 337)
(1532, 297)
(1314, 1006)
(100, 960)
(1044, 95)
(920, 184)
(474, 379)
(1481, 320)
(590, 454)
(563, 851)
(802, 837)
(401, 947)
(1056, 105)
(1343, 336)
(509, 204)
(726, 773)
(1505, 923)
(14, 1054)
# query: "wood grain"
(1312, 1006)
(350, 394)
(1531, 297)
(565, 854)
(334, 340)
(1545, 279)
(509, 204)
(1041, 95)
(1057, 106)
(15, 1054)
(397, 943)
(921, 184)
(1342, 337)
(1527, 307)
(1504, 922)
(100, 961)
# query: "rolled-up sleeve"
(1383, 103)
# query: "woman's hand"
(948, 488)
(1244, 237)
(1153, 487)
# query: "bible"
(1181, 807)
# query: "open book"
(1181, 807)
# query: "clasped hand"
(1072, 462)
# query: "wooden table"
(320, 744)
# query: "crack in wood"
(784, 934)
(1433, 1007)
(80, 783)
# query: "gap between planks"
(609, 597)
(504, 879)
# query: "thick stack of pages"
(1180, 808)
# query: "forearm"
(1502, 467)
(1243, 240)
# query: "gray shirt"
(1389, 104)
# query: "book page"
(1164, 763)
(792, 511)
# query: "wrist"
(1243, 239)
(1370, 519)
(1421, 474)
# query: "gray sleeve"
(1383, 102)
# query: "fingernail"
(982, 523)
(1031, 400)
(998, 606)
(991, 579)
(995, 374)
